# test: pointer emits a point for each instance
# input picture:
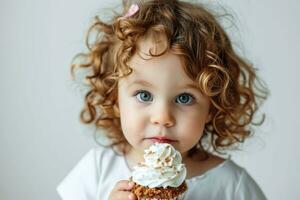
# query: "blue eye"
(186, 98)
(143, 95)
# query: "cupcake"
(161, 175)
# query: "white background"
(41, 137)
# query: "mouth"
(161, 139)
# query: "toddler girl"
(165, 71)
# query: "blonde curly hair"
(192, 32)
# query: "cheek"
(193, 128)
(190, 131)
(132, 122)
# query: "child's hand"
(121, 191)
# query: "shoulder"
(227, 179)
(84, 176)
(214, 166)
(245, 187)
(232, 169)
(229, 171)
(226, 170)
(93, 159)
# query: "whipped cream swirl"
(162, 167)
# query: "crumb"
(161, 193)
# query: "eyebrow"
(145, 83)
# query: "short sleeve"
(81, 182)
(248, 189)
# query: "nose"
(163, 117)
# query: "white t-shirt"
(101, 168)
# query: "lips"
(160, 139)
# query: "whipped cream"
(162, 167)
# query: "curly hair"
(193, 32)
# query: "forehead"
(166, 66)
(165, 71)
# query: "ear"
(208, 118)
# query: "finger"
(122, 195)
(124, 185)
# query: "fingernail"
(130, 184)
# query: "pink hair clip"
(132, 10)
